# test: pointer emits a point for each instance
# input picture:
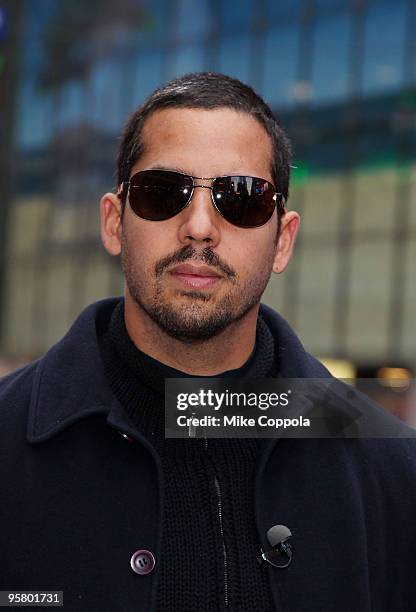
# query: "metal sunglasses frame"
(279, 202)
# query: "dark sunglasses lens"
(158, 195)
(244, 201)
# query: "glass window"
(191, 18)
(234, 13)
(280, 65)
(105, 95)
(330, 58)
(73, 101)
(27, 219)
(369, 293)
(274, 294)
(18, 309)
(331, 5)
(154, 23)
(284, 9)
(110, 100)
(234, 56)
(35, 118)
(119, 85)
(413, 197)
(33, 121)
(409, 326)
(321, 211)
(60, 272)
(384, 46)
(186, 59)
(96, 279)
(376, 193)
(146, 75)
(38, 19)
(316, 297)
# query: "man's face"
(202, 143)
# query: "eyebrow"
(170, 169)
(182, 171)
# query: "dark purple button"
(142, 562)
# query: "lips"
(195, 276)
(194, 270)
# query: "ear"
(110, 213)
(288, 232)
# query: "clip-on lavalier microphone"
(280, 554)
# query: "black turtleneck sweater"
(209, 538)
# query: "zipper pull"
(192, 428)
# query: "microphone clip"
(280, 554)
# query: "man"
(96, 502)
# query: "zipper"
(218, 489)
(192, 433)
(192, 429)
(219, 503)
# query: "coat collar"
(293, 360)
(70, 383)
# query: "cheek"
(140, 247)
(133, 258)
(254, 252)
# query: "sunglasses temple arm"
(281, 204)
(123, 191)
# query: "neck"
(228, 350)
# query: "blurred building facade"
(340, 75)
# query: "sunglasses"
(244, 201)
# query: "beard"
(197, 316)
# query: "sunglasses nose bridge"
(201, 178)
(203, 186)
(196, 180)
(209, 187)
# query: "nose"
(199, 221)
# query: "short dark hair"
(206, 90)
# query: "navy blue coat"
(78, 498)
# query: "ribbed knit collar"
(138, 380)
(152, 373)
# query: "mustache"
(206, 256)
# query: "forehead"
(206, 142)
